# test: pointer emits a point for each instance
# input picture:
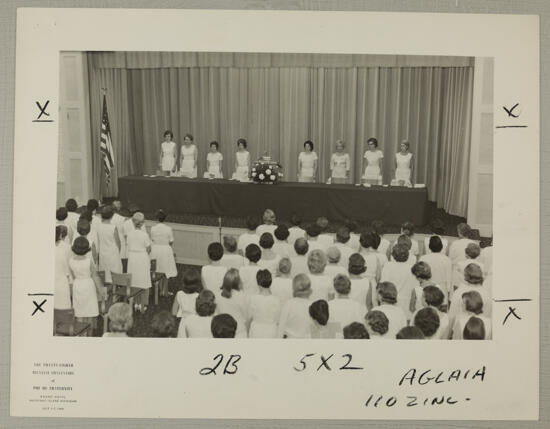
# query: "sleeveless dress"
(403, 170)
(307, 160)
(265, 311)
(339, 165)
(84, 291)
(62, 291)
(188, 167)
(161, 236)
(168, 160)
(214, 168)
(372, 170)
(243, 163)
(109, 255)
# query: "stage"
(339, 203)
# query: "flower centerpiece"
(265, 170)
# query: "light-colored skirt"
(188, 169)
(62, 293)
(139, 265)
(164, 255)
(109, 261)
(372, 172)
(403, 174)
(85, 298)
(167, 163)
(241, 174)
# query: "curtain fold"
(277, 108)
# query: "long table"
(176, 195)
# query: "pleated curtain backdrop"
(277, 108)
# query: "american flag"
(105, 145)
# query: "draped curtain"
(277, 108)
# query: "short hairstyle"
(266, 240)
(437, 226)
(369, 239)
(205, 304)
(301, 246)
(161, 215)
(71, 205)
(427, 320)
(138, 218)
(356, 264)
(269, 217)
(473, 274)
(61, 232)
(474, 329)
(406, 143)
(120, 317)
(83, 227)
(463, 230)
(410, 333)
(252, 223)
(342, 235)
(378, 226)
(433, 296)
(340, 142)
(253, 253)
(281, 232)
(435, 244)
(92, 205)
(295, 219)
(342, 284)
(163, 324)
(473, 302)
(168, 133)
(264, 278)
(472, 250)
(231, 281)
(191, 281)
(316, 261)
(223, 326)
(387, 292)
(81, 246)
(188, 136)
(87, 215)
(406, 240)
(301, 286)
(230, 243)
(372, 140)
(215, 251)
(319, 311)
(351, 225)
(243, 142)
(107, 212)
(355, 331)
(400, 252)
(421, 270)
(285, 266)
(61, 213)
(377, 321)
(215, 143)
(333, 254)
(313, 230)
(408, 228)
(310, 143)
(322, 222)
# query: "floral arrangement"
(266, 171)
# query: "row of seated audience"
(281, 282)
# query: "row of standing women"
(340, 161)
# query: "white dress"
(396, 318)
(168, 160)
(399, 273)
(188, 167)
(62, 296)
(307, 160)
(339, 165)
(109, 254)
(236, 306)
(214, 165)
(403, 170)
(372, 170)
(345, 311)
(196, 326)
(281, 287)
(84, 291)
(162, 236)
(264, 311)
(243, 163)
(139, 264)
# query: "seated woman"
(120, 320)
(242, 162)
(372, 163)
(214, 162)
(307, 163)
(403, 165)
(340, 164)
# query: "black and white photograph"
(274, 195)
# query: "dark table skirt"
(393, 205)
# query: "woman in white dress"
(307, 163)
(139, 264)
(372, 163)
(162, 238)
(199, 325)
(242, 162)
(214, 162)
(233, 301)
(403, 165)
(109, 245)
(87, 287)
(339, 164)
(62, 296)
(184, 303)
(168, 154)
(188, 158)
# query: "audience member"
(295, 321)
(120, 320)
(264, 308)
(213, 273)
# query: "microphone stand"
(220, 227)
